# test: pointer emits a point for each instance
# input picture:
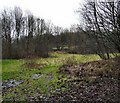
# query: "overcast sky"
(60, 12)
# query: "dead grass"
(110, 68)
(95, 81)
(32, 64)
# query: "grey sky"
(60, 12)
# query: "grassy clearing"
(10, 68)
(14, 69)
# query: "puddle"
(11, 83)
(36, 76)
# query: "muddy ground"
(90, 82)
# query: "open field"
(50, 54)
(14, 68)
(43, 77)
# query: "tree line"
(24, 35)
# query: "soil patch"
(34, 65)
(96, 81)
(102, 68)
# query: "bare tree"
(17, 20)
(101, 24)
(31, 29)
(6, 33)
(18, 15)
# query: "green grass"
(10, 68)
(14, 69)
